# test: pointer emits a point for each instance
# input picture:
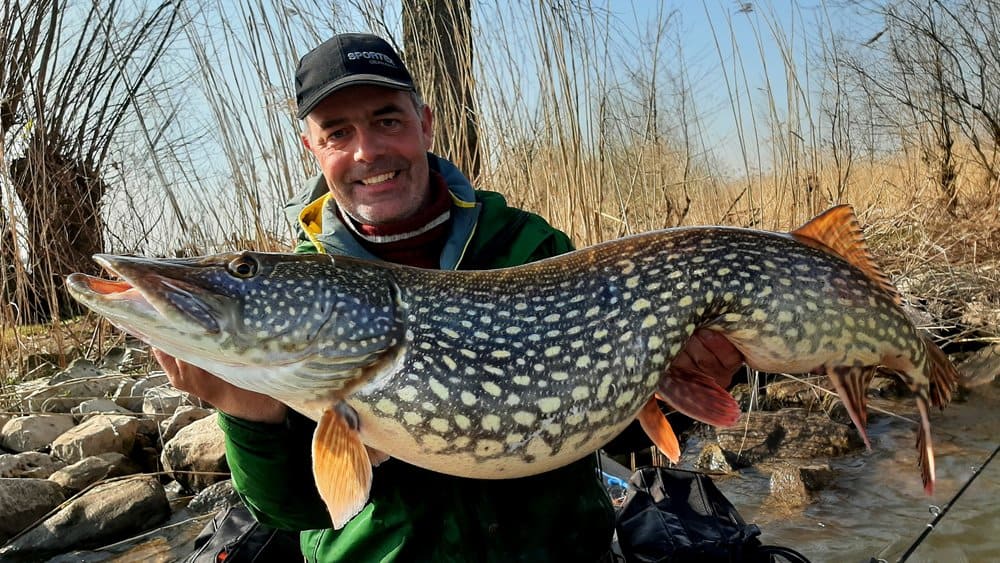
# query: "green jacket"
(414, 514)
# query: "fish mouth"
(143, 294)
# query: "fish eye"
(243, 267)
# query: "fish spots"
(407, 393)
(521, 380)
(583, 361)
(433, 442)
(438, 388)
(387, 406)
(649, 322)
(487, 448)
(594, 417)
(462, 421)
(552, 351)
(492, 388)
(556, 376)
(685, 301)
(640, 305)
(524, 418)
(468, 399)
(446, 359)
(490, 423)
(439, 425)
(758, 315)
(625, 398)
(785, 317)
(549, 404)
(580, 393)
(413, 418)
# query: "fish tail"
(940, 372)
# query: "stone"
(199, 448)
(34, 465)
(62, 396)
(214, 498)
(120, 464)
(184, 415)
(100, 434)
(788, 433)
(23, 501)
(77, 477)
(162, 400)
(90, 407)
(34, 431)
(105, 514)
(79, 368)
(125, 397)
(792, 485)
(713, 460)
(981, 367)
(787, 392)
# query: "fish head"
(244, 309)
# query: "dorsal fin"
(838, 231)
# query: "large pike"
(513, 372)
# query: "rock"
(151, 381)
(22, 501)
(63, 396)
(789, 433)
(88, 408)
(120, 464)
(198, 447)
(125, 397)
(34, 465)
(79, 368)
(712, 459)
(44, 368)
(792, 485)
(981, 367)
(100, 434)
(33, 432)
(162, 400)
(127, 359)
(787, 393)
(107, 513)
(77, 477)
(214, 498)
(184, 415)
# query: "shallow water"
(877, 507)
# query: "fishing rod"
(941, 512)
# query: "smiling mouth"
(372, 180)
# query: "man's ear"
(305, 141)
(427, 126)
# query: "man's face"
(371, 144)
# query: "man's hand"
(710, 353)
(226, 397)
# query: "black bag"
(234, 536)
(674, 515)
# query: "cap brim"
(354, 80)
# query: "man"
(382, 195)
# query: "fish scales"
(513, 372)
(573, 349)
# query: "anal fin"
(925, 451)
(851, 384)
(656, 426)
(698, 396)
(341, 464)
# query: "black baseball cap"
(347, 59)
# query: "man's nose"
(369, 146)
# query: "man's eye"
(389, 122)
(338, 134)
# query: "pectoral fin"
(656, 426)
(697, 395)
(341, 465)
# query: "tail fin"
(941, 372)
